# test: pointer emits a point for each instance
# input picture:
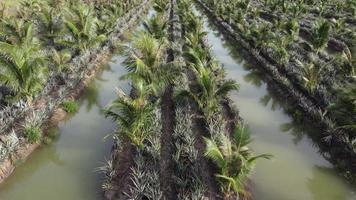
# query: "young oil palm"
(292, 28)
(49, 24)
(146, 60)
(156, 26)
(80, 24)
(195, 34)
(23, 68)
(15, 31)
(160, 6)
(234, 160)
(344, 108)
(311, 74)
(134, 114)
(29, 8)
(279, 46)
(61, 59)
(320, 35)
(107, 15)
(210, 92)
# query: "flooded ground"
(297, 171)
(65, 169)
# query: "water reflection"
(66, 166)
(268, 98)
(91, 95)
(293, 129)
(321, 182)
(298, 171)
(253, 76)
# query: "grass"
(70, 106)
(33, 134)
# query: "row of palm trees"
(313, 54)
(151, 73)
(229, 151)
(305, 59)
(138, 114)
(41, 33)
(44, 53)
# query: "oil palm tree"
(311, 74)
(146, 61)
(292, 28)
(194, 33)
(23, 68)
(49, 24)
(80, 24)
(134, 114)
(344, 108)
(107, 15)
(210, 91)
(234, 160)
(156, 26)
(14, 31)
(259, 35)
(279, 46)
(61, 59)
(29, 8)
(320, 35)
(160, 6)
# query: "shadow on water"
(91, 95)
(297, 171)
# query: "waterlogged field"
(302, 172)
(220, 100)
(67, 166)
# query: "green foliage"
(23, 65)
(81, 23)
(61, 59)
(233, 158)
(146, 62)
(320, 35)
(156, 26)
(344, 108)
(49, 24)
(33, 134)
(15, 31)
(280, 52)
(211, 90)
(312, 74)
(70, 106)
(133, 115)
(160, 6)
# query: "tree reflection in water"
(319, 185)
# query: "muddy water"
(297, 171)
(64, 169)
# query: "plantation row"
(306, 48)
(48, 52)
(178, 136)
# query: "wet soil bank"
(95, 58)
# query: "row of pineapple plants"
(309, 56)
(174, 138)
(48, 49)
